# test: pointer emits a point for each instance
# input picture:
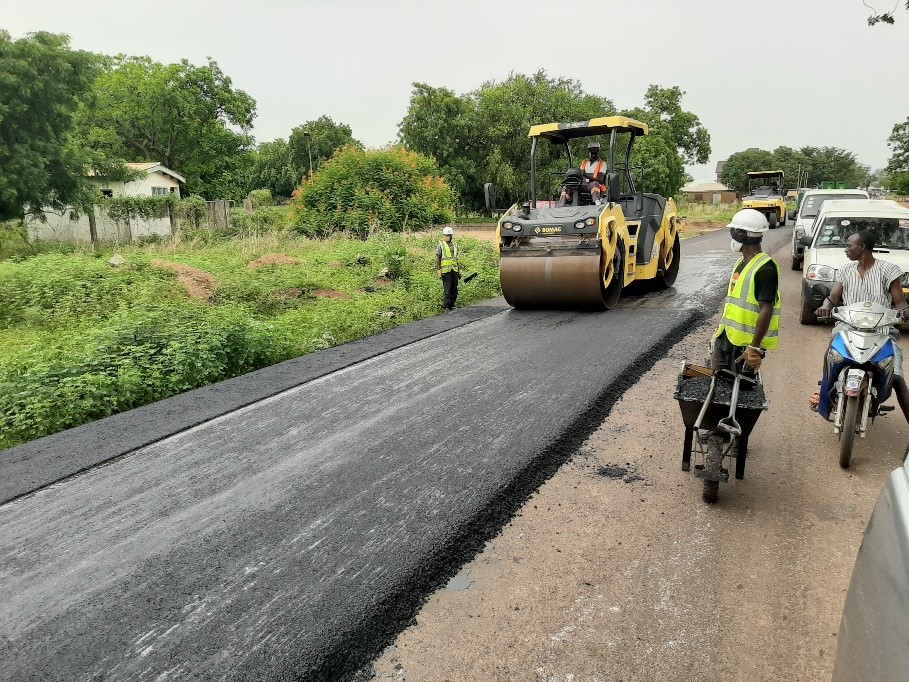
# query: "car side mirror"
(821, 291)
(791, 214)
(806, 239)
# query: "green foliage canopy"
(190, 118)
(362, 191)
(482, 136)
(42, 83)
(898, 166)
(325, 138)
(820, 163)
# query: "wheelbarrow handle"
(729, 424)
(697, 422)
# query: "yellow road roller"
(767, 195)
(595, 235)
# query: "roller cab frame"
(582, 255)
(767, 194)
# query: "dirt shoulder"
(616, 570)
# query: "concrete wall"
(61, 228)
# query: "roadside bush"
(365, 191)
(135, 358)
(261, 197)
(264, 219)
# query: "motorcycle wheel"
(847, 434)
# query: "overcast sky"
(757, 73)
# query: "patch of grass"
(80, 340)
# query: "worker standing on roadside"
(751, 316)
(447, 267)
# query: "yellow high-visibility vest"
(449, 256)
(740, 315)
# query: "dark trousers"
(725, 354)
(450, 286)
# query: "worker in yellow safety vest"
(751, 316)
(447, 267)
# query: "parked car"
(825, 246)
(806, 213)
(873, 642)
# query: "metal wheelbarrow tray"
(692, 389)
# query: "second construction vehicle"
(767, 195)
(582, 254)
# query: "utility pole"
(309, 151)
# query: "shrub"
(137, 357)
(363, 191)
(261, 197)
(264, 219)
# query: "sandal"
(814, 401)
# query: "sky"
(758, 74)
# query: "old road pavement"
(285, 525)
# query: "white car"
(825, 247)
(807, 212)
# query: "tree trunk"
(92, 226)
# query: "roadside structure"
(709, 192)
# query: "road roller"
(579, 248)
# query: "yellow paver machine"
(571, 252)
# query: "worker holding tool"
(751, 317)
(447, 267)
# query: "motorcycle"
(858, 372)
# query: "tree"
(325, 138)
(482, 136)
(273, 169)
(363, 191)
(738, 165)
(898, 166)
(190, 118)
(42, 83)
(686, 131)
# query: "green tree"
(363, 191)
(482, 136)
(688, 135)
(273, 169)
(190, 118)
(42, 84)
(898, 166)
(738, 165)
(325, 138)
(883, 17)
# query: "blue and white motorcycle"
(858, 371)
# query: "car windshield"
(891, 233)
(765, 190)
(812, 203)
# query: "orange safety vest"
(597, 168)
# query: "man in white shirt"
(866, 278)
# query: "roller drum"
(566, 280)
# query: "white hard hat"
(749, 220)
(447, 230)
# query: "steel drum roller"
(567, 279)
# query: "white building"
(153, 179)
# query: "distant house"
(152, 179)
(709, 192)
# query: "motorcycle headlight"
(864, 320)
(821, 272)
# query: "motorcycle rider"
(751, 318)
(866, 278)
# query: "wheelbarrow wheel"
(714, 462)
(711, 492)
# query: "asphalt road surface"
(293, 537)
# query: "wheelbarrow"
(719, 411)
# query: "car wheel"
(796, 263)
(807, 316)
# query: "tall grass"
(80, 339)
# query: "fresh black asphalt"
(287, 530)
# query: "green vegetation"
(481, 136)
(80, 340)
(820, 164)
(898, 167)
(365, 191)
